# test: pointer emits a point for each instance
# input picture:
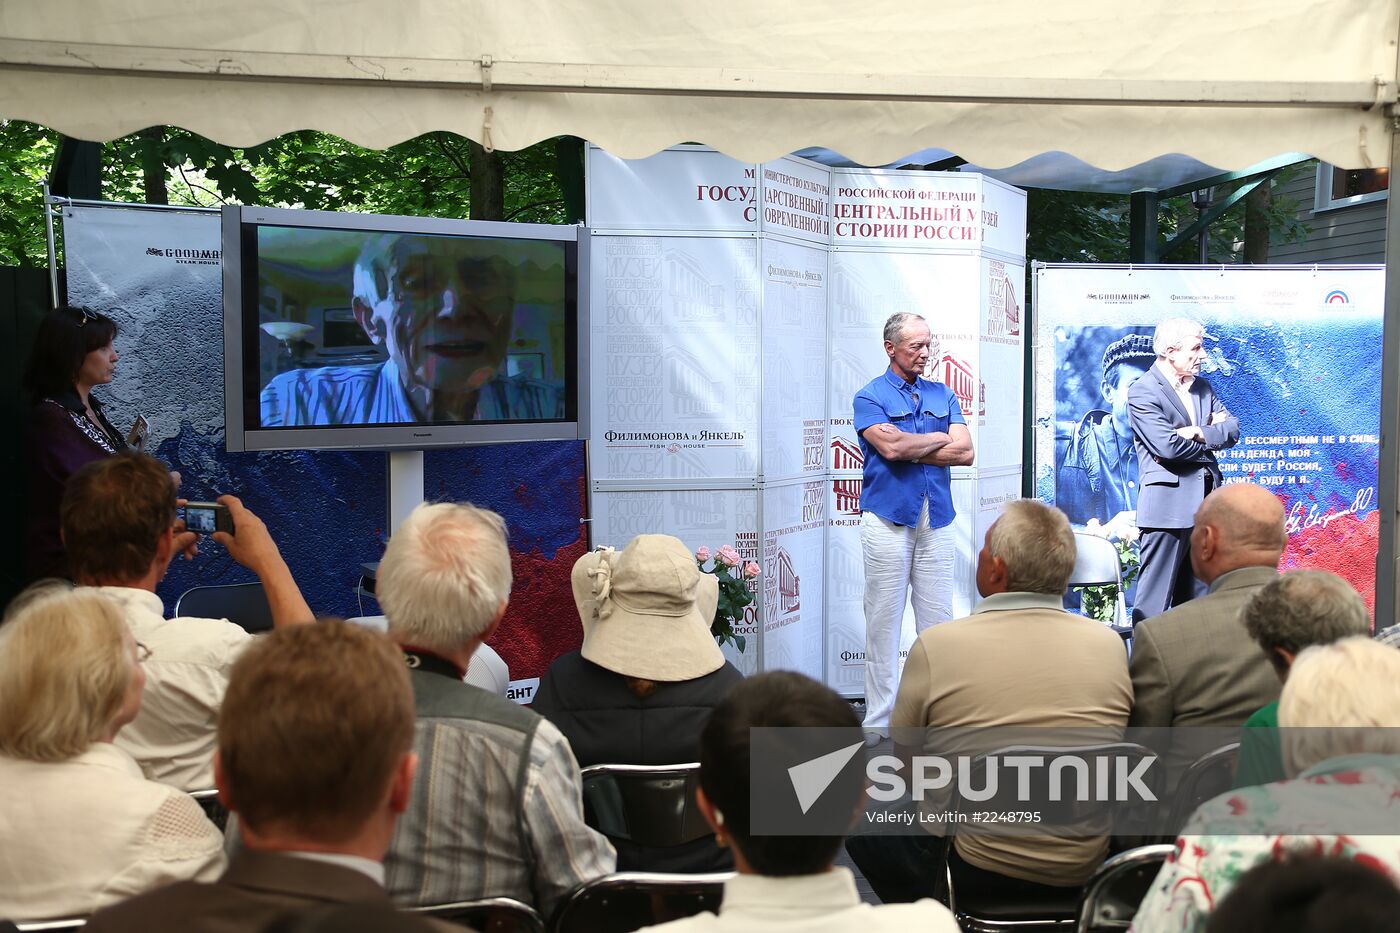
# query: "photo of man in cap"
(1097, 472)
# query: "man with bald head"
(1196, 665)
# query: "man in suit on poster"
(1178, 424)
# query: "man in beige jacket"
(1019, 662)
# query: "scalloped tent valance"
(1112, 83)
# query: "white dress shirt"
(82, 834)
(822, 903)
(186, 675)
(1181, 385)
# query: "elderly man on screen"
(1178, 424)
(911, 431)
(444, 315)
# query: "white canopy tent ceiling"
(1113, 85)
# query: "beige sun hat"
(647, 609)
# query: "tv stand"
(405, 486)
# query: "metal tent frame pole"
(1388, 478)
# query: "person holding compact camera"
(119, 523)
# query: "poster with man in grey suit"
(1178, 424)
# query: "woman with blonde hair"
(80, 826)
(1340, 724)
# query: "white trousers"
(898, 557)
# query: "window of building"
(1339, 187)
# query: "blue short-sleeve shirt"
(896, 490)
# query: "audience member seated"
(1195, 665)
(314, 756)
(648, 674)
(1309, 894)
(120, 528)
(487, 669)
(498, 808)
(1340, 716)
(1389, 636)
(80, 826)
(1019, 661)
(786, 882)
(1299, 609)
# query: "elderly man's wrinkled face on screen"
(443, 315)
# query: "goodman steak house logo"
(195, 257)
(1118, 298)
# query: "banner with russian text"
(718, 285)
(708, 518)
(675, 377)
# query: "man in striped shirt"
(497, 804)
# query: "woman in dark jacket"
(648, 675)
(73, 352)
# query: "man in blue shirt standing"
(911, 431)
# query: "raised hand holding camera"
(205, 518)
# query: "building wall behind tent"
(1351, 234)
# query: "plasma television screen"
(419, 325)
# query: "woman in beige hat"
(649, 672)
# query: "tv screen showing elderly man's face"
(443, 315)
(359, 327)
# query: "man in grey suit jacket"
(315, 757)
(1178, 424)
(1197, 664)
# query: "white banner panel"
(722, 361)
(928, 210)
(794, 558)
(966, 490)
(845, 579)
(1001, 361)
(1002, 214)
(699, 517)
(675, 385)
(995, 488)
(692, 190)
(866, 288)
(794, 360)
(796, 197)
(136, 266)
(845, 592)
